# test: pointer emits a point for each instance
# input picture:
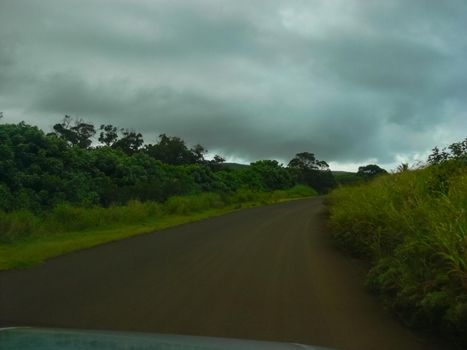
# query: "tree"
(309, 170)
(75, 131)
(216, 163)
(130, 142)
(171, 150)
(307, 161)
(457, 150)
(108, 135)
(272, 174)
(369, 171)
(437, 156)
(198, 153)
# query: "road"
(268, 273)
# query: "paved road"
(267, 273)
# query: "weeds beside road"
(412, 226)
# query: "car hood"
(30, 338)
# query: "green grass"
(412, 227)
(27, 239)
(35, 250)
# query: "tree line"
(41, 170)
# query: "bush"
(183, 205)
(65, 217)
(301, 191)
(412, 226)
(16, 225)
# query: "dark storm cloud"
(352, 81)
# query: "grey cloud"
(348, 80)
(382, 63)
(156, 110)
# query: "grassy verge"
(27, 239)
(412, 226)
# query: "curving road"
(269, 273)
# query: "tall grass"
(23, 225)
(18, 225)
(412, 226)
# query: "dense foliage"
(412, 226)
(40, 171)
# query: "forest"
(81, 165)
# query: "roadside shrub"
(183, 205)
(134, 212)
(412, 226)
(244, 195)
(16, 225)
(65, 217)
(68, 218)
(301, 191)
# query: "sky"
(353, 81)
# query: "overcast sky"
(352, 81)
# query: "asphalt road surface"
(269, 273)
